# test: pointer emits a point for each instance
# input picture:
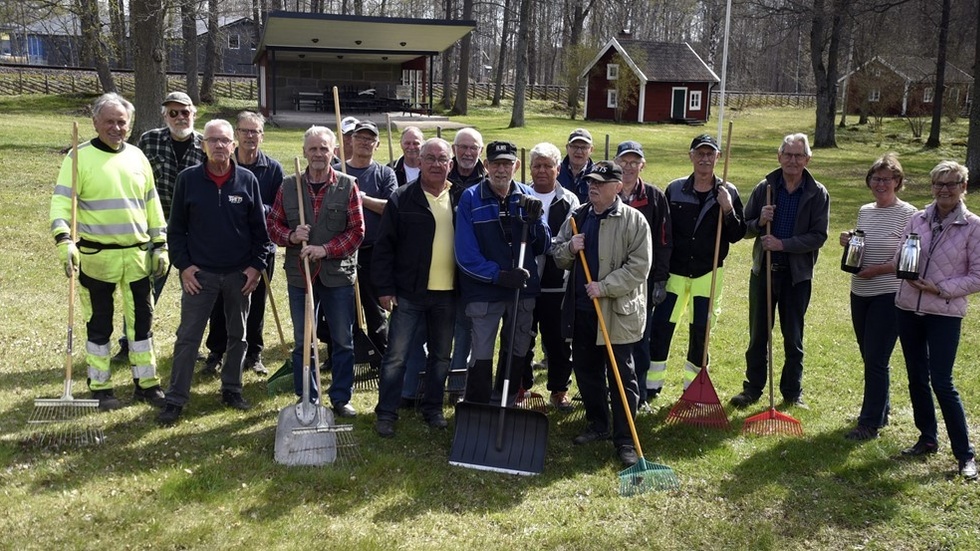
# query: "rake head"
(57, 410)
(699, 405)
(772, 422)
(532, 401)
(645, 476)
(366, 376)
(64, 435)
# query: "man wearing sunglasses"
(170, 149)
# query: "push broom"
(643, 476)
(771, 421)
(49, 411)
(699, 404)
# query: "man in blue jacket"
(489, 223)
(219, 242)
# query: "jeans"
(593, 372)
(929, 343)
(254, 324)
(876, 328)
(415, 363)
(791, 302)
(194, 313)
(337, 306)
(437, 311)
(462, 338)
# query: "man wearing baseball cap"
(170, 149)
(649, 200)
(694, 204)
(347, 125)
(605, 224)
(577, 164)
(490, 220)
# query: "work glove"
(658, 292)
(159, 262)
(68, 254)
(532, 207)
(513, 279)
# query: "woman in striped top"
(873, 289)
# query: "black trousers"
(217, 339)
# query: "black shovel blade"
(523, 447)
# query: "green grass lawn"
(210, 482)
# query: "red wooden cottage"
(900, 86)
(658, 82)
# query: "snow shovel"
(699, 404)
(304, 435)
(503, 439)
(68, 408)
(771, 421)
(282, 380)
(643, 476)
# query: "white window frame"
(612, 99)
(612, 71)
(874, 95)
(234, 42)
(927, 95)
(694, 100)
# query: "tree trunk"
(579, 12)
(212, 57)
(520, 64)
(93, 49)
(188, 31)
(460, 107)
(447, 77)
(938, 91)
(973, 138)
(149, 63)
(120, 39)
(502, 57)
(824, 51)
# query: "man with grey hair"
(407, 166)
(170, 149)
(250, 130)
(122, 233)
(220, 245)
(467, 169)
(787, 214)
(329, 237)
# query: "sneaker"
(627, 454)
(107, 401)
(436, 420)
(796, 402)
(921, 448)
(968, 469)
(742, 400)
(169, 415)
(590, 436)
(385, 428)
(344, 410)
(235, 400)
(153, 395)
(561, 401)
(255, 364)
(862, 432)
(212, 365)
(121, 357)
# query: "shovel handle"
(508, 363)
(308, 311)
(609, 349)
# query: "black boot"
(477, 382)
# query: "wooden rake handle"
(714, 263)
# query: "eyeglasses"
(181, 112)
(882, 180)
(579, 147)
(951, 186)
(704, 154)
(367, 138)
(630, 164)
(249, 131)
(432, 159)
(223, 142)
(795, 156)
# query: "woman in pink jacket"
(931, 310)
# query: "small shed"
(642, 81)
(899, 86)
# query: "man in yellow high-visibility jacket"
(121, 241)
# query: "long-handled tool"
(391, 150)
(699, 404)
(771, 421)
(304, 435)
(282, 380)
(643, 476)
(500, 438)
(67, 408)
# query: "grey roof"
(669, 62)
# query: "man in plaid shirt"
(331, 232)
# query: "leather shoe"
(627, 454)
(436, 420)
(344, 410)
(169, 415)
(590, 436)
(742, 400)
(235, 400)
(107, 400)
(153, 395)
(968, 469)
(921, 448)
(385, 428)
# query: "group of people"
(446, 250)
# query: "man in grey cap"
(170, 149)
(577, 164)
